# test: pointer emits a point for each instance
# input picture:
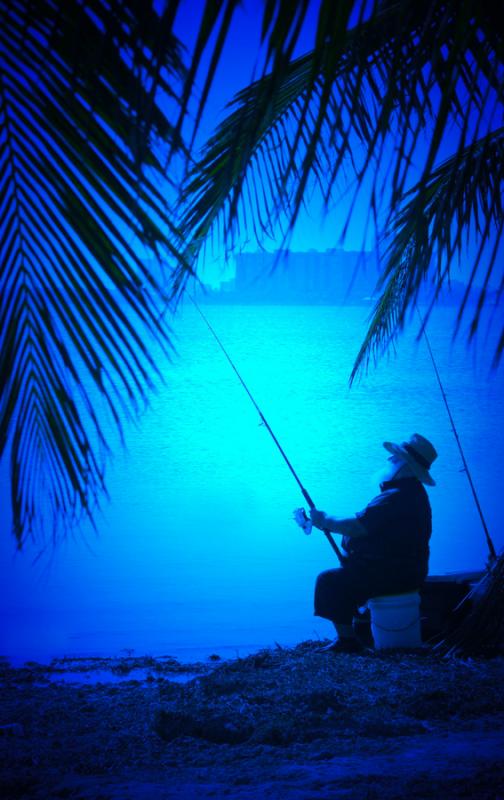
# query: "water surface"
(197, 552)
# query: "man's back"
(398, 523)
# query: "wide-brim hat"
(418, 453)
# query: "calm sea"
(197, 553)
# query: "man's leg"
(344, 631)
(337, 598)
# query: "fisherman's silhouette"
(385, 547)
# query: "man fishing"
(385, 546)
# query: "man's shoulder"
(386, 496)
(403, 491)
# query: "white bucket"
(395, 620)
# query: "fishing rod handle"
(326, 532)
(308, 498)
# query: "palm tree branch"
(79, 193)
(383, 62)
(457, 187)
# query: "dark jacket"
(399, 525)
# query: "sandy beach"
(282, 723)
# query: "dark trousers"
(340, 592)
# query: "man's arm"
(347, 526)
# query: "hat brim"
(421, 473)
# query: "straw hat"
(418, 453)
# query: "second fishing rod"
(266, 424)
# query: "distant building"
(331, 277)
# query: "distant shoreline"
(447, 299)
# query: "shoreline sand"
(290, 723)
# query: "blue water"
(197, 552)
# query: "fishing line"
(491, 548)
(265, 423)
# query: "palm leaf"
(463, 195)
(334, 84)
(361, 102)
(80, 201)
(83, 197)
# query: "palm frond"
(80, 203)
(375, 81)
(84, 85)
(462, 197)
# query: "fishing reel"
(303, 520)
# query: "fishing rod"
(266, 424)
(490, 544)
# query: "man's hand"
(346, 526)
(302, 520)
(319, 518)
